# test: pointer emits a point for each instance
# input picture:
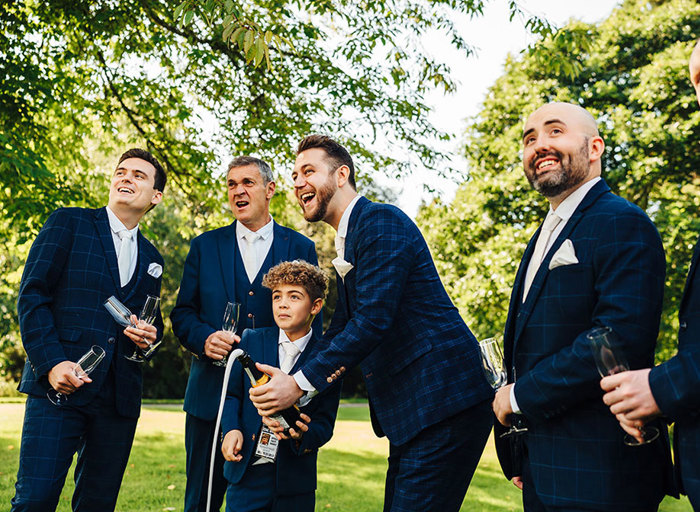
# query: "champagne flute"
(229, 324)
(120, 313)
(497, 376)
(148, 315)
(610, 362)
(84, 367)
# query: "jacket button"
(684, 325)
(253, 437)
(251, 292)
(250, 315)
(111, 340)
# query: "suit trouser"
(257, 492)
(532, 502)
(199, 435)
(52, 434)
(688, 464)
(432, 471)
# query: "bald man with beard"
(673, 388)
(596, 261)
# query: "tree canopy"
(633, 77)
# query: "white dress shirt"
(115, 226)
(565, 210)
(299, 377)
(261, 245)
(301, 344)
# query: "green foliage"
(632, 75)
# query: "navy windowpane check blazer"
(70, 271)
(574, 444)
(420, 362)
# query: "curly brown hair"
(298, 272)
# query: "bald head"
(574, 116)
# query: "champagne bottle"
(288, 417)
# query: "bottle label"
(267, 444)
(280, 419)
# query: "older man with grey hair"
(227, 265)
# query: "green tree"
(633, 77)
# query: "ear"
(157, 197)
(341, 175)
(270, 191)
(316, 306)
(596, 148)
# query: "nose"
(238, 189)
(541, 143)
(299, 181)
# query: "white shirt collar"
(116, 225)
(345, 219)
(300, 343)
(264, 232)
(568, 206)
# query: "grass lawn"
(351, 467)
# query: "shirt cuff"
(306, 386)
(513, 401)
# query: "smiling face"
(131, 189)
(694, 68)
(561, 149)
(315, 184)
(293, 309)
(249, 196)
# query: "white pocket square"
(342, 266)
(155, 270)
(565, 255)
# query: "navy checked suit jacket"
(420, 362)
(676, 383)
(575, 445)
(70, 271)
(208, 283)
(296, 464)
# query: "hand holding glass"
(228, 325)
(610, 362)
(496, 375)
(148, 315)
(84, 367)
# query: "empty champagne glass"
(120, 313)
(497, 376)
(610, 362)
(84, 367)
(148, 315)
(229, 324)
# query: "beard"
(573, 171)
(323, 198)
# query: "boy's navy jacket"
(296, 464)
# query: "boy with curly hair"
(266, 473)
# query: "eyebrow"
(548, 122)
(120, 168)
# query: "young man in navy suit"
(596, 261)
(80, 258)
(673, 388)
(421, 364)
(264, 473)
(227, 265)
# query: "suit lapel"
(280, 244)
(142, 265)
(345, 287)
(105, 232)
(691, 274)
(228, 246)
(538, 282)
(270, 339)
